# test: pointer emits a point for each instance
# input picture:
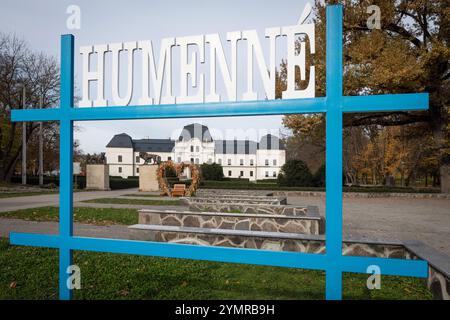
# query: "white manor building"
(239, 158)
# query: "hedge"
(115, 183)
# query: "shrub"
(170, 172)
(212, 171)
(319, 177)
(295, 173)
(116, 183)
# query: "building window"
(137, 170)
(120, 169)
(169, 158)
(242, 174)
(210, 161)
(197, 161)
(251, 162)
(119, 159)
(220, 161)
(192, 160)
(251, 173)
(267, 174)
(229, 162)
(179, 160)
(241, 162)
(229, 173)
(197, 149)
(192, 148)
(274, 174)
(138, 159)
(267, 162)
(274, 162)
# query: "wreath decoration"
(178, 168)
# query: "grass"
(24, 194)
(32, 273)
(144, 195)
(136, 201)
(98, 216)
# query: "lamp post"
(41, 146)
(24, 143)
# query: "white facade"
(238, 158)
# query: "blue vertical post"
(66, 164)
(334, 90)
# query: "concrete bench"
(241, 207)
(236, 221)
(219, 199)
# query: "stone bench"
(237, 196)
(218, 199)
(231, 192)
(241, 207)
(234, 221)
(438, 264)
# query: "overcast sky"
(42, 22)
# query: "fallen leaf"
(124, 292)
(13, 285)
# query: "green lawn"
(24, 194)
(136, 201)
(31, 273)
(98, 216)
(144, 195)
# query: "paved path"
(8, 225)
(26, 202)
(427, 220)
(128, 206)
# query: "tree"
(409, 54)
(213, 171)
(39, 75)
(295, 173)
(319, 177)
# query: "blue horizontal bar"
(222, 109)
(386, 102)
(35, 239)
(174, 250)
(388, 266)
(54, 114)
(412, 268)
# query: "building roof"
(143, 145)
(195, 130)
(201, 132)
(120, 141)
(270, 142)
(153, 145)
(236, 147)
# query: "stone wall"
(231, 200)
(239, 221)
(148, 179)
(97, 177)
(285, 210)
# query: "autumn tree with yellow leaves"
(410, 53)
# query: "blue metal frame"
(334, 105)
